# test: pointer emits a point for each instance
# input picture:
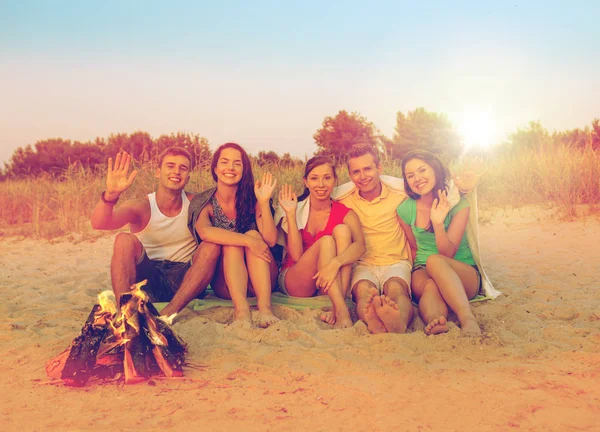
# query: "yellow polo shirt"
(385, 239)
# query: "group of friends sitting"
(382, 242)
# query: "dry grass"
(47, 207)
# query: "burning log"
(134, 342)
(81, 361)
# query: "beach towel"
(298, 303)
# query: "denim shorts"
(479, 286)
(164, 277)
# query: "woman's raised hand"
(263, 188)
(288, 199)
(118, 179)
(466, 181)
(439, 208)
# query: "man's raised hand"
(117, 178)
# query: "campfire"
(131, 342)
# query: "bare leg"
(196, 278)
(127, 251)
(396, 311)
(365, 293)
(340, 312)
(432, 307)
(262, 276)
(299, 280)
(457, 282)
(343, 238)
(233, 283)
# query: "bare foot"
(436, 326)
(328, 317)
(242, 316)
(342, 318)
(470, 327)
(265, 317)
(388, 313)
(374, 323)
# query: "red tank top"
(336, 217)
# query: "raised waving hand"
(118, 178)
(288, 199)
(439, 208)
(263, 188)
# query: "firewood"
(80, 363)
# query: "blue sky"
(265, 74)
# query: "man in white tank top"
(159, 246)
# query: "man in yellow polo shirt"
(380, 282)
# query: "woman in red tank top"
(323, 239)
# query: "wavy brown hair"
(245, 200)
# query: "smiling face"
(230, 167)
(320, 181)
(420, 176)
(364, 173)
(174, 172)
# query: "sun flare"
(477, 130)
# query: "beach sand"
(537, 367)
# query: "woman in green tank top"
(444, 273)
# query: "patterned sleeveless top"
(220, 220)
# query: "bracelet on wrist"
(105, 201)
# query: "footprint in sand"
(387, 311)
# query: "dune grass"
(47, 207)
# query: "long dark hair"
(245, 200)
(438, 169)
(311, 164)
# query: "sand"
(537, 366)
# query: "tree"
(339, 133)
(534, 136)
(267, 158)
(421, 129)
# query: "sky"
(265, 74)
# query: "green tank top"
(426, 240)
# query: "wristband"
(105, 201)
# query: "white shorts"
(379, 275)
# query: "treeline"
(421, 129)
(418, 129)
(55, 156)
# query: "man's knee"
(396, 286)
(362, 288)
(207, 251)
(127, 245)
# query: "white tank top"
(168, 238)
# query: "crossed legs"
(446, 284)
